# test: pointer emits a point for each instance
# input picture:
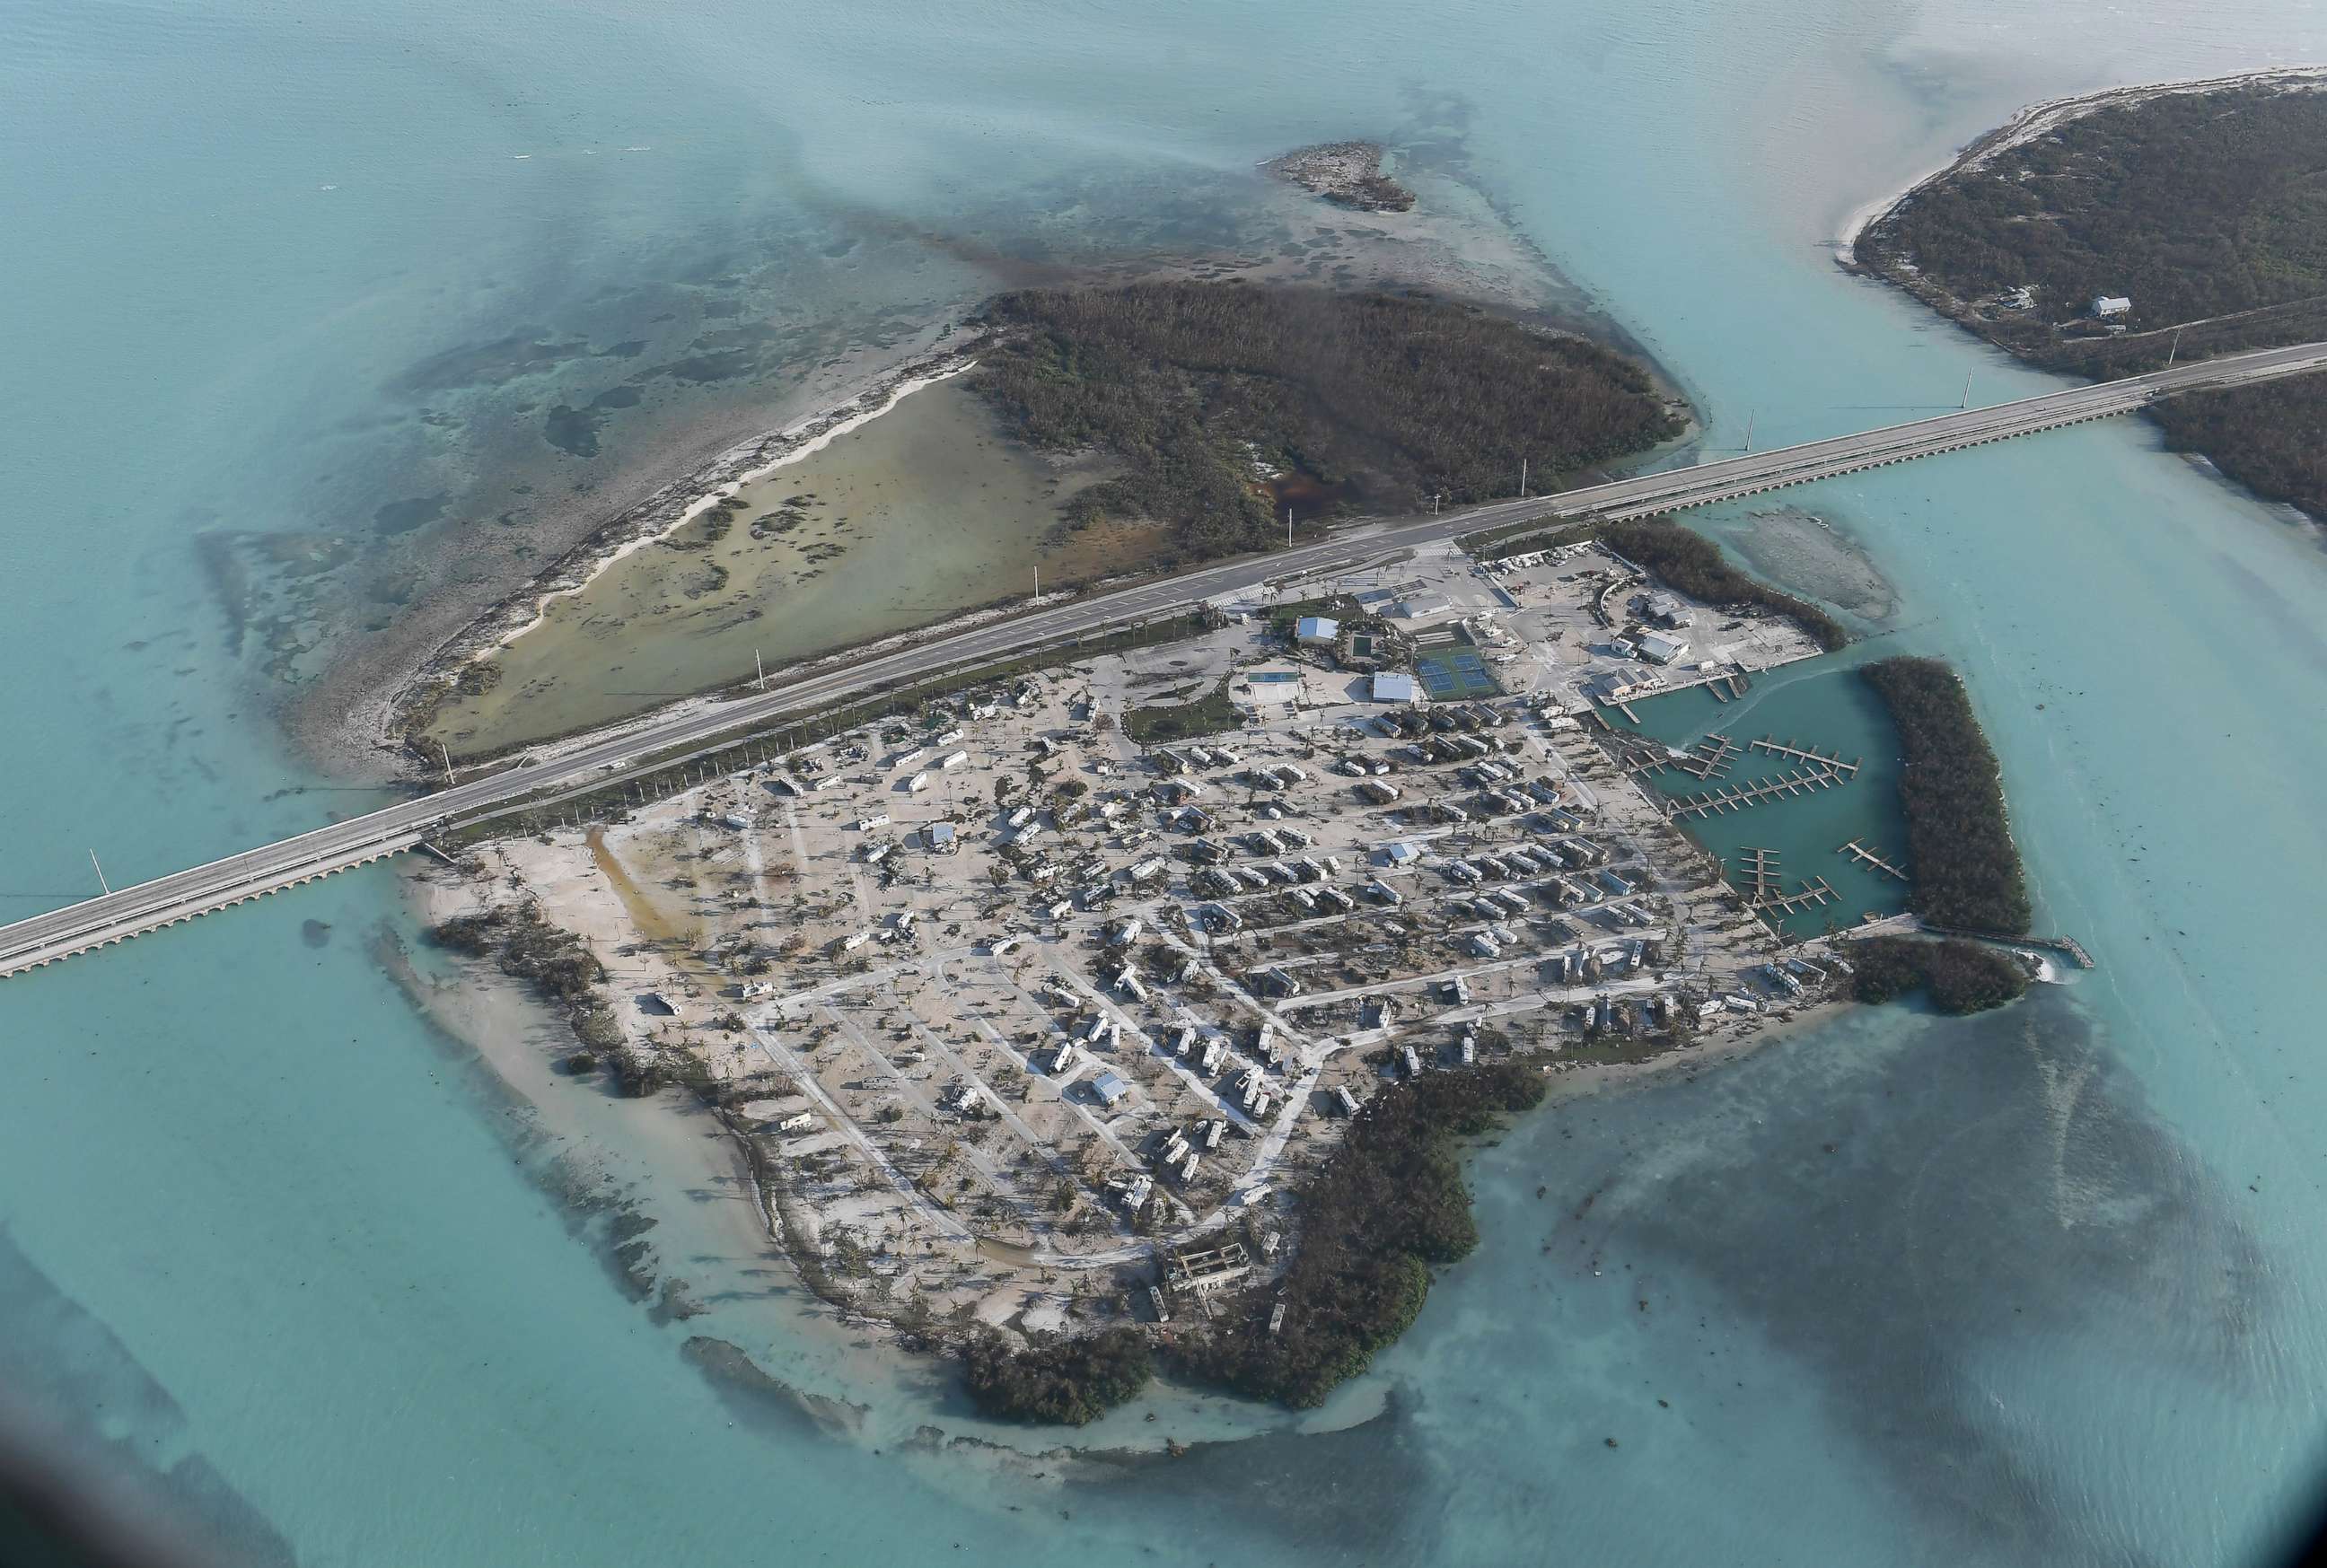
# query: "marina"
(1738, 797)
(1805, 754)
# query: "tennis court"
(1450, 674)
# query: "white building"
(2112, 306)
(1316, 630)
(1661, 647)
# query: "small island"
(1346, 173)
(2113, 234)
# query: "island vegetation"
(1967, 868)
(1067, 1380)
(1227, 403)
(2200, 210)
(1959, 977)
(1373, 1221)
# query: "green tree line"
(1059, 1380)
(1375, 399)
(1967, 868)
(1959, 977)
(1388, 1206)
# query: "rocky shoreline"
(1346, 173)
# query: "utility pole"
(447, 751)
(1967, 393)
(1523, 479)
(100, 873)
(1288, 528)
(1038, 582)
(760, 670)
(1434, 501)
(1749, 428)
(2176, 348)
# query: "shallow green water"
(1813, 706)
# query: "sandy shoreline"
(668, 508)
(2040, 118)
(817, 432)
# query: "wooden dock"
(1737, 796)
(1866, 856)
(1714, 755)
(1759, 871)
(1809, 754)
(1813, 893)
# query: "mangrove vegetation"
(1967, 868)
(561, 970)
(1383, 1211)
(1959, 977)
(1063, 1380)
(1228, 403)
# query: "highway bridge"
(122, 913)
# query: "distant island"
(1346, 173)
(2108, 235)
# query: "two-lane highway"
(183, 895)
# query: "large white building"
(2112, 306)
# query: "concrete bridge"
(168, 901)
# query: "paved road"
(183, 895)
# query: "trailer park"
(1029, 1020)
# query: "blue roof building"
(1315, 629)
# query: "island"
(1346, 173)
(2118, 232)
(1126, 1010)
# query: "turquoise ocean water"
(2046, 1288)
